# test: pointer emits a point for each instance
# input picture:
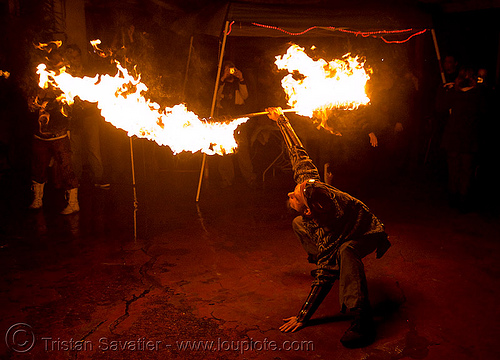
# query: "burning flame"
(318, 85)
(95, 45)
(48, 47)
(121, 101)
(4, 74)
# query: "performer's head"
(310, 198)
(297, 200)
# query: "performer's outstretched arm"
(303, 167)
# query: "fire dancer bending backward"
(337, 231)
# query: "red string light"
(354, 32)
(370, 33)
(230, 28)
(283, 30)
(403, 41)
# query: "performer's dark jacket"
(348, 218)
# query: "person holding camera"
(231, 102)
(232, 91)
(337, 231)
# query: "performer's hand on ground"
(274, 113)
(373, 139)
(291, 325)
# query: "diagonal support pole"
(214, 100)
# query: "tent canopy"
(271, 20)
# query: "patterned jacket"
(348, 219)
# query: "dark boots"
(361, 333)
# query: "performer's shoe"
(361, 333)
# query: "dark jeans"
(353, 290)
(42, 152)
(86, 147)
(460, 173)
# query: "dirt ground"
(214, 279)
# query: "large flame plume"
(318, 85)
(121, 101)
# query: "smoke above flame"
(121, 101)
(318, 85)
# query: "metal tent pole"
(187, 69)
(438, 54)
(214, 100)
(136, 204)
(443, 79)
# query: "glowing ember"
(122, 104)
(318, 85)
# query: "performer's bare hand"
(373, 139)
(274, 113)
(291, 325)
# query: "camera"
(232, 70)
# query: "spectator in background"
(435, 154)
(231, 98)
(450, 67)
(352, 148)
(85, 127)
(232, 91)
(465, 104)
(393, 111)
(488, 176)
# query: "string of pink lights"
(353, 32)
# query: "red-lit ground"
(230, 269)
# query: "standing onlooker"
(488, 177)
(231, 102)
(232, 91)
(450, 67)
(464, 102)
(85, 127)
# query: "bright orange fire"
(317, 85)
(122, 104)
(4, 74)
(48, 47)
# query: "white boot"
(37, 189)
(73, 206)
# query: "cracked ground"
(223, 273)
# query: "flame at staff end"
(322, 85)
(121, 101)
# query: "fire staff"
(337, 231)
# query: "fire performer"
(337, 231)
